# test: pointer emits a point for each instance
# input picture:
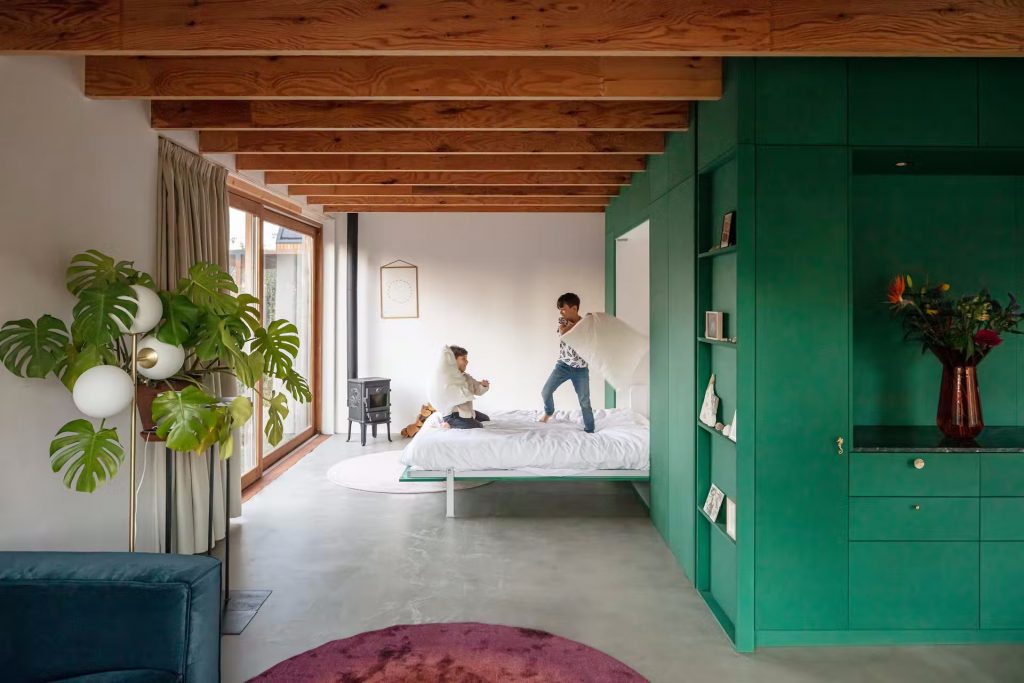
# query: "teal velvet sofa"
(109, 618)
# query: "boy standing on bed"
(570, 367)
(463, 416)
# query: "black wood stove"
(369, 403)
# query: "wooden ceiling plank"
(456, 190)
(462, 201)
(611, 115)
(382, 208)
(525, 27)
(441, 162)
(386, 178)
(902, 29)
(429, 142)
(405, 78)
(60, 25)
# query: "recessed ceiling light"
(901, 164)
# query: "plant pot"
(959, 413)
(145, 395)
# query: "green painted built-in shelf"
(717, 525)
(721, 251)
(712, 430)
(717, 342)
(716, 610)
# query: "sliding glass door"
(274, 257)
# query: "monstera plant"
(204, 326)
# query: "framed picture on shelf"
(730, 518)
(728, 230)
(714, 325)
(713, 504)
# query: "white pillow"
(447, 386)
(613, 348)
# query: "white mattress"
(515, 440)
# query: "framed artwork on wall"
(399, 290)
(728, 230)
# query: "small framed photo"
(730, 518)
(713, 504)
(728, 230)
(714, 325)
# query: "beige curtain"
(192, 226)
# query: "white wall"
(633, 277)
(488, 282)
(75, 174)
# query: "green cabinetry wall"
(855, 547)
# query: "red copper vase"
(959, 414)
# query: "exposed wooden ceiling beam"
(429, 142)
(416, 78)
(395, 179)
(693, 27)
(384, 208)
(621, 115)
(462, 201)
(441, 162)
(455, 190)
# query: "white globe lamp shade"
(169, 358)
(151, 309)
(103, 391)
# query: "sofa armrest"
(72, 614)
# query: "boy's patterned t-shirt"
(566, 354)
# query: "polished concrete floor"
(577, 559)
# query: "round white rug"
(379, 473)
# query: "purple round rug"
(455, 653)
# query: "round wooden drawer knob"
(916, 506)
(918, 463)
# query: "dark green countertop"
(930, 440)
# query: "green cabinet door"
(801, 388)
(1002, 591)
(682, 504)
(914, 585)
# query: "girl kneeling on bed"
(463, 416)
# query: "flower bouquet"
(961, 332)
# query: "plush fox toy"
(425, 411)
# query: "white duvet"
(515, 440)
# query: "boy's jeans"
(580, 378)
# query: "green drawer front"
(1002, 519)
(1002, 591)
(1002, 474)
(913, 585)
(894, 474)
(914, 519)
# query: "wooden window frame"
(264, 212)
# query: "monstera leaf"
(248, 368)
(233, 416)
(87, 456)
(297, 387)
(99, 310)
(78, 361)
(249, 312)
(279, 344)
(277, 411)
(210, 288)
(185, 418)
(94, 269)
(181, 317)
(33, 349)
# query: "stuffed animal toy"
(425, 411)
